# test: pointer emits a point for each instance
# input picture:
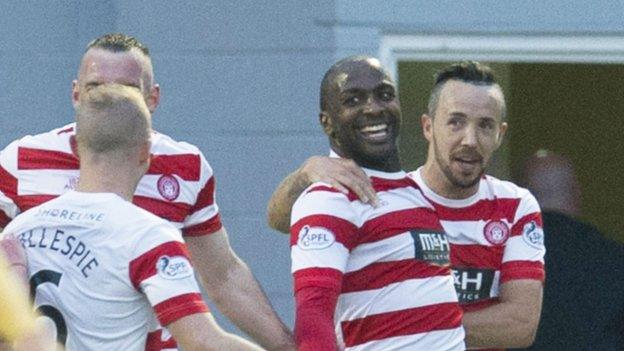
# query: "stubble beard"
(457, 182)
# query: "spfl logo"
(176, 267)
(533, 235)
(315, 238)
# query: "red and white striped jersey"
(396, 288)
(179, 185)
(96, 276)
(496, 236)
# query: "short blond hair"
(112, 117)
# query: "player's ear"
(75, 95)
(501, 133)
(326, 123)
(426, 122)
(144, 153)
(153, 98)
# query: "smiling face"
(464, 133)
(363, 116)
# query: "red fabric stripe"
(208, 227)
(29, 159)
(205, 197)
(399, 323)
(319, 277)
(26, 202)
(397, 222)
(380, 274)
(4, 220)
(171, 211)
(154, 342)
(185, 166)
(477, 256)
(518, 227)
(343, 230)
(172, 309)
(485, 210)
(8, 184)
(522, 270)
(144, 266)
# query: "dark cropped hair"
(466, 71)
(330, 76)
(118, 42)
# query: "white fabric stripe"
(397, 200)
(399, 247)
(527, 205)
(392, 297)
(158, 289)
(437, 340)
(148, 187)
(8, 206)
(495, 289)
(44, 181)
(517, 249)
(467, 232)
(201, 216)
(323, 203)
(334, 256)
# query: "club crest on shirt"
(315, 238)
(533, 235)
(496, 232)
(168, 187)
(176, 267)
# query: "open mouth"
(468, 164)
(376, 132)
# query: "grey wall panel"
(229, 26)
(575, 16)
(35, 94)
(240, 93)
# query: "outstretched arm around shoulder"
(342, 174)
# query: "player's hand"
(342, 174)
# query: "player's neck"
(104, 179)
(439, 183)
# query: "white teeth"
(375, 128)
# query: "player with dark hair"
(369, 278)
(179, 186)
(494, 227)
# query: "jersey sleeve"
(323, 231)
(8, 184)
(165, 275)
(523, 257)
(204, 217)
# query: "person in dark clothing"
(584, 292)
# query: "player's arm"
(512, 322)
(236, 293)
(200, 332)
(341, 174)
